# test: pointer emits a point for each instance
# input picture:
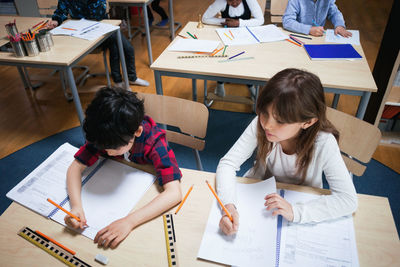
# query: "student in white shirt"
(296, 144)
(234, 13)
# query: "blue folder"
(331, 51)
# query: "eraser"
(101, 258)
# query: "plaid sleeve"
(61, 13)
(87, 154)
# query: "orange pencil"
(68, 29)
(292, 42)
(55, 242)
(219, 201)
(231, 34)
(64, 210)
(184, 199)
(216, 51)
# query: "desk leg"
(74, 91)
(128, 21)
(194, 89)
(158, 80)
(23, 77)
(122, 58)
(147, 28)
(335, 101)
(363, 105)
(171, 19)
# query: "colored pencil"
(227, 36)
(220, 203)
(231, 34)
(215, 52)
(37, 24)
(191, 35)
(294, 39)
(292, 42)
(196, 36)
(184, 199)
(236, 55)
(223, 53)
(64, 210)
(55, 242)
(300, 36)
(182, 36)
(68, 29)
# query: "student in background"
(309, 17)
(234, 13)
(155, 5)
(96, 10)
(115, 126)
(296, 144)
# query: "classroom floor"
(29, 116)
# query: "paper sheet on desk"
(332, 38)
(193, 45)
(254, 244)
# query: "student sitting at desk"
(309, 17)
(296, 144)
(115, 125)
(234, 13)
(96, 10)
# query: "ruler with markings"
(53, 249)
(170, 240)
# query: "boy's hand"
(74, 223)
(228, 227)
(52, 24)
(231, 22)
(281, 206)
(342, 31)
(317, 31)
(113, 234)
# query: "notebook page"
(332, 38)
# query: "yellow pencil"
(184, 199)
(220, 202)
(216, 51)
(227, 36)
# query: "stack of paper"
(193, 45)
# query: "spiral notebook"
(103, 185)
(331, 51)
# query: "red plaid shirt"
(149, 148)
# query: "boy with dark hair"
(115, 125)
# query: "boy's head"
(113, 118)
(234, 3)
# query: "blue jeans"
(112, 44)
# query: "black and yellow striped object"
(170, 240)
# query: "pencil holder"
(48, 35)
(31, 48)
(18, 47)
(11, 29)
(42, 43)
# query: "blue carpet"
(224, 128)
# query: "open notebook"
(263, 240)
(109, 189)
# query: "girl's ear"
(139, 131)
(309, 123)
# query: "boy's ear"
(309, 123)
(139, 131)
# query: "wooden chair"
(278, 8)
(358, 139)
(190, 117)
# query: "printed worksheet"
(332, 38)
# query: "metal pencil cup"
(11, 29)
(18, 48)
(43, 43)
(48, 35)
(31, 48)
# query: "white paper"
(84, 29)
(110, 194)
(332, 38)
(193, 45)
(244, 35)
(255, 242)
(330, 243)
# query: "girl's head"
(292, 110)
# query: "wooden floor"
(29, 116)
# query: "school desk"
(143, 4)
(377, 239)
(66, 53)
(339, 77)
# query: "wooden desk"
(66, 53)
(339, 77)
(377, 240)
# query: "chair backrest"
(262, 4)
(190, 117)
(47, 7)
(358, 139)
(278, 8)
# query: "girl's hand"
(70, 221)
(52, 24)
(228, 227)
(342, 31)
(317, 31)
(280, 206)
(113, 234)
(231, 22)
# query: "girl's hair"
(295, 96)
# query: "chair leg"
(64, 86)
(207, 102)
(335, 101)
(106, 68)
(198, 160)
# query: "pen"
(55, 242)
(292, 42)
(64, 210)
(227, 36)
(215, 52)
(300, 36)
(184, 199)
(315, 24)
(295, 40)
(68, 29)
(219, 201)
(236, 55)
(191, 35)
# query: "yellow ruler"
(51, 248)
(170, 240)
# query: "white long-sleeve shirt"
(326, 159)
(220, 5)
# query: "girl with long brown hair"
(296, 144)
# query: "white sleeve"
(231, 162)
(343, 198)
(256, 13)
(209, 16)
